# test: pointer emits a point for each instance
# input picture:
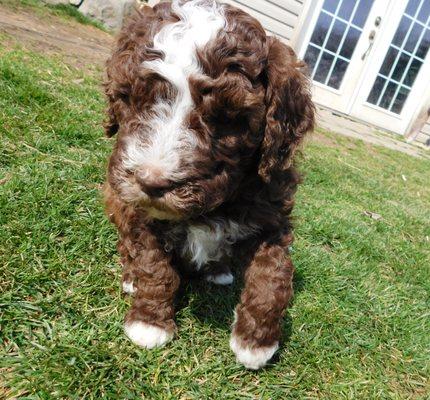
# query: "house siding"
(279, 17)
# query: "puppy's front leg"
(149, 323)
(268, 288)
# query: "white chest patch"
(169, 138)
(206, 243)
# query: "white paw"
(252, 358)
(128, 287)
(146, 335)
(220, 279)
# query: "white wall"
(279, 17)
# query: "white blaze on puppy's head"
(167, 140)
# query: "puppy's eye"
(206, 90)
(235, 68)
(124, 97)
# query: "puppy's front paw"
(252, 358)
(146, 335)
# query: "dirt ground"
(81, 45)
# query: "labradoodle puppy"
(208, 112)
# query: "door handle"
(372, 36)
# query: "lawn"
(359, 324)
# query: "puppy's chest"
(209, 241)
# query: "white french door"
(367, 58)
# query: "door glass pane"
(400, 100)
(414, 37)
(390, 58)
(350, 42)
(336, 36)
(346, 9)
(412, 7)
(389, 93)
(311, 57)
(412, 72)
(401, 66)
(402, 30)
(424, 45)
(321, 29)
(330, 5)
(337, 31)
(324, 67)
(378, 86)
(362, 12)
(338, 73)
(424, 12)
(403, 60)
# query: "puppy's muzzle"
(152, 182)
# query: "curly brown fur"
(203, 169)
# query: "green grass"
(359, 325)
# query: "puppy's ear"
(123, 67)
(290, 111)
(111, 125)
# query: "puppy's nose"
(151, 181)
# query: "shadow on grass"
(213, 305)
